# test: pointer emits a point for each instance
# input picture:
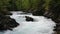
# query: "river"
(41, 25)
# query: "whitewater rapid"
(41, 25)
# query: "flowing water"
(41, 25)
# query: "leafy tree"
(19, 4)
(3, 5)
(12, 5)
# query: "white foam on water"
(41, 25)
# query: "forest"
(29, 5)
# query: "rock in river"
(29, 18)
(7, 23)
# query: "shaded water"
(41, 25)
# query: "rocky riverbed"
(7, 23)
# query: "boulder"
(7, 23)
(29, 18)
(38, 12)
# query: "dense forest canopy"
(27, 4)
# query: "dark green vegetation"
(27, 5)
(36, 6)
(47, 8)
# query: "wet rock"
(7, 23)
(57, 29)
(29, 18)
(38, 12)
(5, 12)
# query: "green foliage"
(27, 4)
(3, 6)
(4, 3)
(19, 4)
(23, 4)
(12, 5)
(47, 4)
(34, 4)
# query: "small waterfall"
(41, 25)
